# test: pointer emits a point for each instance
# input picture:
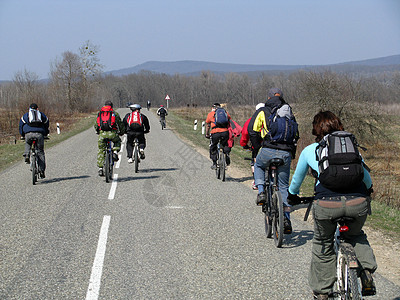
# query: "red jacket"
(244, 140)
(234, 131)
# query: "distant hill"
(190, 67)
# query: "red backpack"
(106, 119)
(135, 120)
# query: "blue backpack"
(221, 118)
(282, 125)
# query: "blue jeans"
(262, 165)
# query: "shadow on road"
(157, 170)
(130, 178)
(46, 181)
(241, 179)
(297, 238)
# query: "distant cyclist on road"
(108, 126)
(136, 124)
(162, 112)
(34, 125)
(328, 205)
(148, 104)
(217, 124)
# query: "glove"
(293, 199)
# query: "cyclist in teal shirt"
(329, 205)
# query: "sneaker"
(42, 175)
(101, 172)
(260, 199)
(318, 296)
(227, 159)
(130, 160)
(142, 156)
(115, 156)
(214, 166)
(27, 160)
(287, 226)
(367, 282)
(253, 184)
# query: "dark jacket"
(144, 129)
(25, 126)
(260, 123)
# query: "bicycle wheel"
(267, 218)
(136, 158)
(34, 169)
(277, 219)
(347, 281)
(222, 164)
(107, 166)
(218, 167)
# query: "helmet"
(134, 107)
(259, 105)
(161, 105)
(108, 103)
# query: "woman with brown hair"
(329, 205)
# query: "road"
(171, 231)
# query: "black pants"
(130, 139)
(215, 137)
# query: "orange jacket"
(211, 121)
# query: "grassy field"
(12, 152)
(384, 217)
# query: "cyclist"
(217, 133)
(108, 126)
(251, 141)
(269, 150)
(148, 104)
(137, 124)
(162, 112)
(34, 125)
(329, 205)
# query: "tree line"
(77, 84)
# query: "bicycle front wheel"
(107, 166)
(34, 169)
(347, 281)
(136, 158)
(277, 220)
(222, 164)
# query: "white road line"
(97, 269)
(113, 187)
(118, 162)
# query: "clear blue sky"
(33, 33)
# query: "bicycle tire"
(222, 164)
(277, 219)
(267, 218)
(218, 167)
(34, 169)
(347, 280)
(136, 158)
(107, 166)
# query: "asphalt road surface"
(171, 231)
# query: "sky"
(35, 33)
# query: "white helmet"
(134, 107)
(259, 105)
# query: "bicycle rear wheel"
(34, 169)
(222, 164)
(347, 281)
(277, 221)
(107, 166)
(267, 218)
(218, 167)
(136, 158)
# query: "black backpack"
(340, 164)
(35, 118)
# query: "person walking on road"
(34, 125)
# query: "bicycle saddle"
(276, 162)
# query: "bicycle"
(163, 123)
(109, 161)
(33, 154)
(221, 162)
(273, 206)
(136, 157)
(347, 285)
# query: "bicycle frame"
(109, 161)
(34, 164)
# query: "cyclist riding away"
(148, 104)
(162, 112)
(137, 124)
(217, 123)
(271, 148)
(330, 204)
(34, 125)
(251, 140)
(109, 127)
